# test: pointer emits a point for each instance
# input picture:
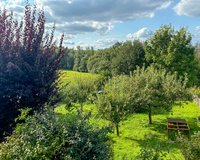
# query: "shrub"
(28, 64)
(195, 91)
(151, 154)
(52, 136)
(191, 149)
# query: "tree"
(121, 58)
(81, 59)
(173, 51)
(197, 58)
(29, 60)
(100, 62)
(127, 56)
(114, 103)
(154, 89)
(67, 61)
(80, 88)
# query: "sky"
(101, 23)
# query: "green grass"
(67, 76)
(69, 79)
(135, 133)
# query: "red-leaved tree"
(29, 60)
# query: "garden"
(58, 103)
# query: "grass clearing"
(69, 79)
(135, 132)
(67, 76)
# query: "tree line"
(168, 48)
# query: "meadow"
(135, 133)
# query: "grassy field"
(135, 133)
(71, 78)
(68, 76)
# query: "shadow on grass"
(159, 139)
(152, 141)
(161, 125)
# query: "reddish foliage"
(29, 60)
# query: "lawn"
(135, 133)
(67, 76)
(70, 77)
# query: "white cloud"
(99, 16)
(101, 43)
(82, 16)
(68, 42)
(74, 17)
(98, 44)
(196, 34)
(188, 8)
(104, 10)
(69, 36)
(197, 28)
(141, 34)
(77, 27)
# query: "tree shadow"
(161, 125)
(159, 139)
(153, 141)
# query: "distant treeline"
(121, 58)
(167, 49)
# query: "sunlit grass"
(135, 133)
(68, 76)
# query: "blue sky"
(101, 23)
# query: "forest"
(59, 103)
(167, 49)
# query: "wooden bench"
(178, 125)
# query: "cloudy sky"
(101, 23)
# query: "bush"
(195, 91)
(191, 149)
(29, 60)
(53, 136)
(151, 151)
(151, 154)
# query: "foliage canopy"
(114, 103)
(29, 60)
(155, 88)
(49, 135)
(173, 51)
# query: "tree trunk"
(117, 129)
(150, 118)
(81, 107)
